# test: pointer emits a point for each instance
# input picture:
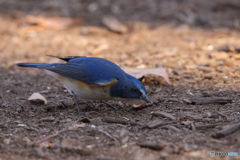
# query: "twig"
(209, 125)
(50, 136)
(193, 126)
(160, 123)
(223, 115)
(164, 114)
(108, 135)
(109, 105)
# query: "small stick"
(50, 136)
(193, 126)
(223, 115)
(107, 134)
(170, 123)
(109, 105)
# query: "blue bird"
(94, 79)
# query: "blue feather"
(91, 70)
(36, 65)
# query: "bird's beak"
(147, 100)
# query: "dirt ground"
(196, 41)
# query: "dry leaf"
(57, 23)
(139, 73)
(37, 98)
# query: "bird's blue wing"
(92, 71)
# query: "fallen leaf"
(139, 73)
(114, 25)
(57, 23)
(37, 98)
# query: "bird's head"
(132, 88)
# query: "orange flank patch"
(107, 85)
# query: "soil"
(196, 41)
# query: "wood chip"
(151, 145)
(48, 119)
(114, 25)
(220, 55)
(119, 120)
(205, 69)
(156, 123)
(206, 126)
(164, 114)
(173, 129)
(37, 98)
(57, 23)
(227, 131)
(210, 100)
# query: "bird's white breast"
(82, 90)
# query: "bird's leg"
(113, 107)
(76, 103)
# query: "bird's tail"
(36, 65)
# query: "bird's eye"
(135, 90)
